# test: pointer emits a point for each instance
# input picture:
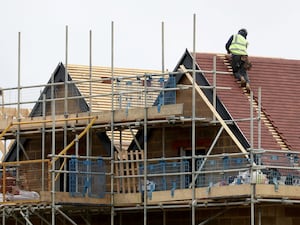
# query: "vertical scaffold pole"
(112, 127)
(90, 72)
(259, 118)
(53, 152)
(162, 47)
(145, 151)
(193, 123)
(3, 216)
(163, 71)
(251, 121)
(259, 143)
(214, 85)
(252, 206)
(66, 75)
(88, 134)
(18, 107)
(66, 106)
(43, 142)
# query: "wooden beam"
(64, 197)
(216, 192)
(283, 191)
(127, 199)
(103, 117)
(203, 194)
(214, 111)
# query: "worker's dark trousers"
(239, 68)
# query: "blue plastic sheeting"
(87, 178)
(166, 176)
(223, 165)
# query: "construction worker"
(237, 47)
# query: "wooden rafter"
(214, 111)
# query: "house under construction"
(129, 146)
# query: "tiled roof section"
(279, 80)
(128, 86)
(237, 101)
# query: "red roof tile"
(279, 81)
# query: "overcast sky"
(272, 26)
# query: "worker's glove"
(248, 65)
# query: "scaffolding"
(128, 180)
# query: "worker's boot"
(248, 87)
(243, 81)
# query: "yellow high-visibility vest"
(238, 45)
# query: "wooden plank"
(128, 184)
(214, 111)
(122, 180)
(132, 172)
(138, 156)
(284, 191)
(64, 197)
(127, 173)
(117, 172)
(127, 199)
(229, 191)
(104, 117)
(166, 196)
(201, 193)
